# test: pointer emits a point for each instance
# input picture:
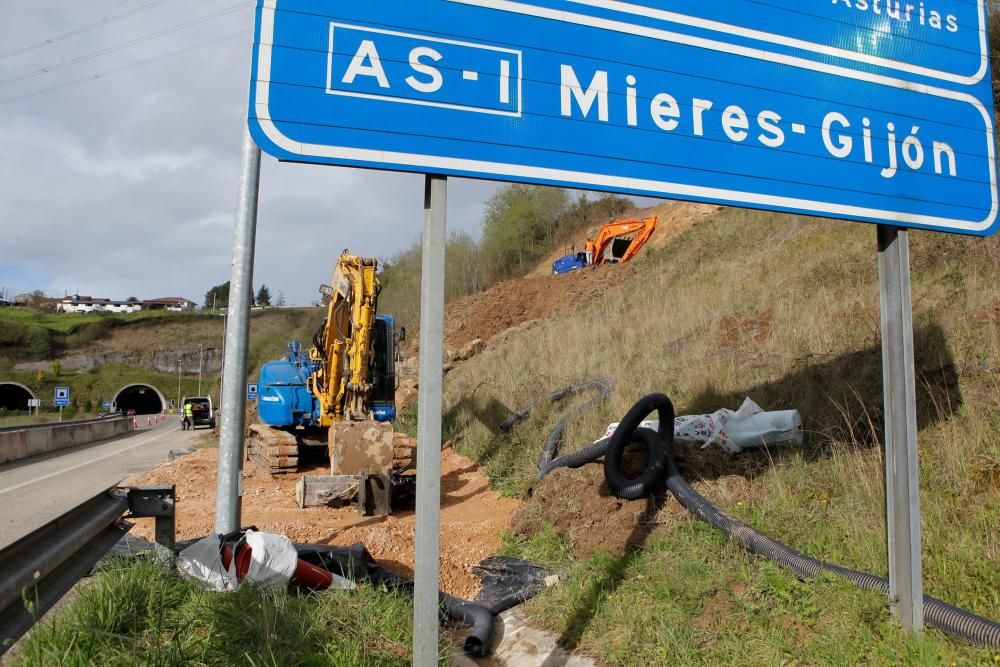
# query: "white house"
(123, 307)
(82, 304)
(90, 304)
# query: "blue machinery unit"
(286, 402)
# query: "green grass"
(30, 335)
(691, 598)
(135, 613)
(25, 421)
(784, 310)
(67, 322)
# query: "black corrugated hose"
(356, 563)
(555, 436)
(941, 615)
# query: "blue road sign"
(61, 397)
(871, 110)
(252, 392)
(106, 405)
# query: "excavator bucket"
(360, 447)
(363, 449)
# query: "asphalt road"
(36, 490)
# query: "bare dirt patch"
(472, 515)
(579, 506)
(515, 302)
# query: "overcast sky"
(125, 185)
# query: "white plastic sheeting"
(746, 428)
(272, 562)
(202, 562)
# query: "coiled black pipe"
(576, 459)
(941, 615)
(651, 479)
(949, 619)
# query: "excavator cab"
(383, 369)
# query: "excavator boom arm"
(343, 347)
(641, 231)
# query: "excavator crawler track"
(274, 451)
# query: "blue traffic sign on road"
(61, 397)
(252, 392)
(106, 404)
(869, 110)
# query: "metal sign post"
(429, 404)
(229, 484)
(902, 478)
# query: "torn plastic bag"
(273, 559)
(746, 428)
(202, 562)
(507, 582)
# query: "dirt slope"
(516, 302)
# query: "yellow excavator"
(339, 398)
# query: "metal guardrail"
(76, 422)
(43, 566)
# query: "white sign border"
(599, 181)
(792, 42)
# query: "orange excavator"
(618, 241)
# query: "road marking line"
(87, 463)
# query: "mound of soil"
(580, 507)
(540, 295)
(472, 515)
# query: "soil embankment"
(473, 516)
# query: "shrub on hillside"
(21, 341)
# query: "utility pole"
(178, 382)
(229, 480)
(201, 347)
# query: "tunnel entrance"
(144, 399)
(14, 397)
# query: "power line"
(125, 45)
(117, 70)
(73, 33)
